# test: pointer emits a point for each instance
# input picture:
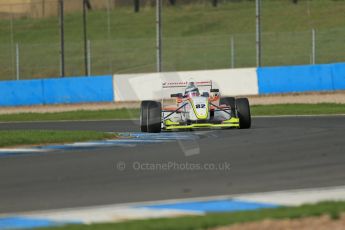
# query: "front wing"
(232, 123)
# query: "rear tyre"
(229, 101)
(243, 113)
(154, 117)
(143, 115)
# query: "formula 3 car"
(195, 109)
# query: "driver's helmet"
(192, 90)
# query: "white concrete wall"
(138, 87)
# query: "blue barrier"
(286, 79)
(289, 79)
(15, 93)
(338, 71)
(57, 91)
(78, 90)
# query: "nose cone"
(200, 107)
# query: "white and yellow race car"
(194, 109)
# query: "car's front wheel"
(243, 113)
(154, 117)
(143, 115)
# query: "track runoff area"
(279, 161)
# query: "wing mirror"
(178, 95)
(205, 94)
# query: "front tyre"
(143, 115)
(154, 117)
(243, 113)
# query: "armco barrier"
(136, 87)
(57, 91)
(290, 79)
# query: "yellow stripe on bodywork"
(169, 122)
(232, 120)
(206, 125)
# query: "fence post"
(12, 42)
(89, 57)
(62, 38)
(313, 35)
(159, 34)
(110, 63)
(17, 62)
(136, 6)
(232, 44)
(258, 33)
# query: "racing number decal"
(200, 106)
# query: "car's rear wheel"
(154, 117)
(231, 102)
(243, 113)
(143, 115)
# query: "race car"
(194, 108)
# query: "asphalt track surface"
(276, 154)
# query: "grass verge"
(298, 109)
(73, 115)
(257, 110)
(23, 137)
(334, 209)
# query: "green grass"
(74, 115)
(298, 109)
(334, 209)
(31, 137)
(257, 110)
(196, 36)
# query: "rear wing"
(183, 84)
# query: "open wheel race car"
(195, 109)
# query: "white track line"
(297, 197)
(23, 150)
(130, 211)
(107, 214)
